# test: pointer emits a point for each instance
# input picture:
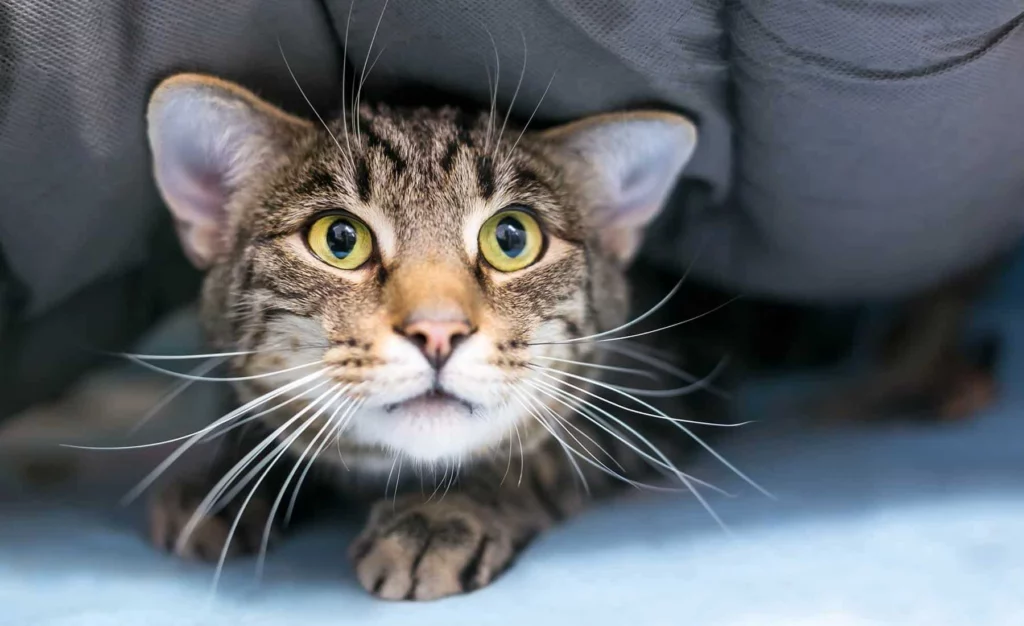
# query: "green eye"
(511, 240)
(341, 241)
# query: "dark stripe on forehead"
(485, 176)
(528, 179)
(448, 160)
(363, 180)
(317, 181)
(373, 140)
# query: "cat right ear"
(208, 137)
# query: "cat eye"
(341, 241)
(511, 240)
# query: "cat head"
(419, 267)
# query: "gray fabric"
(875, 145)
(78, 200)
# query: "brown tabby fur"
(422, 179)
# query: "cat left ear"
(208, 138)
(625, 165)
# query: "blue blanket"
(901, 525)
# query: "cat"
(420, 295)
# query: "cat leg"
(925, 369)
(428, 546)
(172, 510)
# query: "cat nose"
(436, 338)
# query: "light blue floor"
(896, 525)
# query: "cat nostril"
(436, 339)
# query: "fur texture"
(519, 427)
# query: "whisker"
(642, 316)
(493, 89)
(242, 410)
(698, 385)
(256, 416)
(599, 366)
(530, 119)
(665, 366)
(540, 370)
(310, 103)
(673, 325)
(352, 408)
(225, 496)
(176, 391)
(362, 75)
(231, 379)
(662, 462)
(388, 482)
(522, 455)
(565, 446)
(680, 425)
(597, 464)
(183, 357)
(511, 104)
(265, 542)
(568, 423)
(277, 454)
(344, 93)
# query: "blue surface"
(892, 525)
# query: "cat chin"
(432, 431)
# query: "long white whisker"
(566, 422)
(699, 385)
(242, 410)
(530, 119)
(287, 481)
(184, 357)
(673, 325)
(663, 462)
(281, 451)
(565, 446)
(493, 90)
(353, 406)
(522, 455)
(688, 481)
(232, 379)
(678, 424)
(310, 103)
(541, 370)
(207, 436)
(362, 75)
(256, 416)
(636, 320)
(344, 72)
(648, 359)
(592, 461)
(600, 366)
(201, 370)
(511, 104)
(224, 496)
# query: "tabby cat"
(421, 308)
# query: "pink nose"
(436, 339)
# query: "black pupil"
(341, 238)
(511, 236)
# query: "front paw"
(173, 507)
(415, 550)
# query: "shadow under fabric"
(850, 150)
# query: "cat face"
(417, 275)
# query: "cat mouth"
(430, 401)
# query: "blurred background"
(857, 161)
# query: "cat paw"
(173, 507)
(415, 550)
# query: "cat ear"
(208, 137)
(625, 165)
